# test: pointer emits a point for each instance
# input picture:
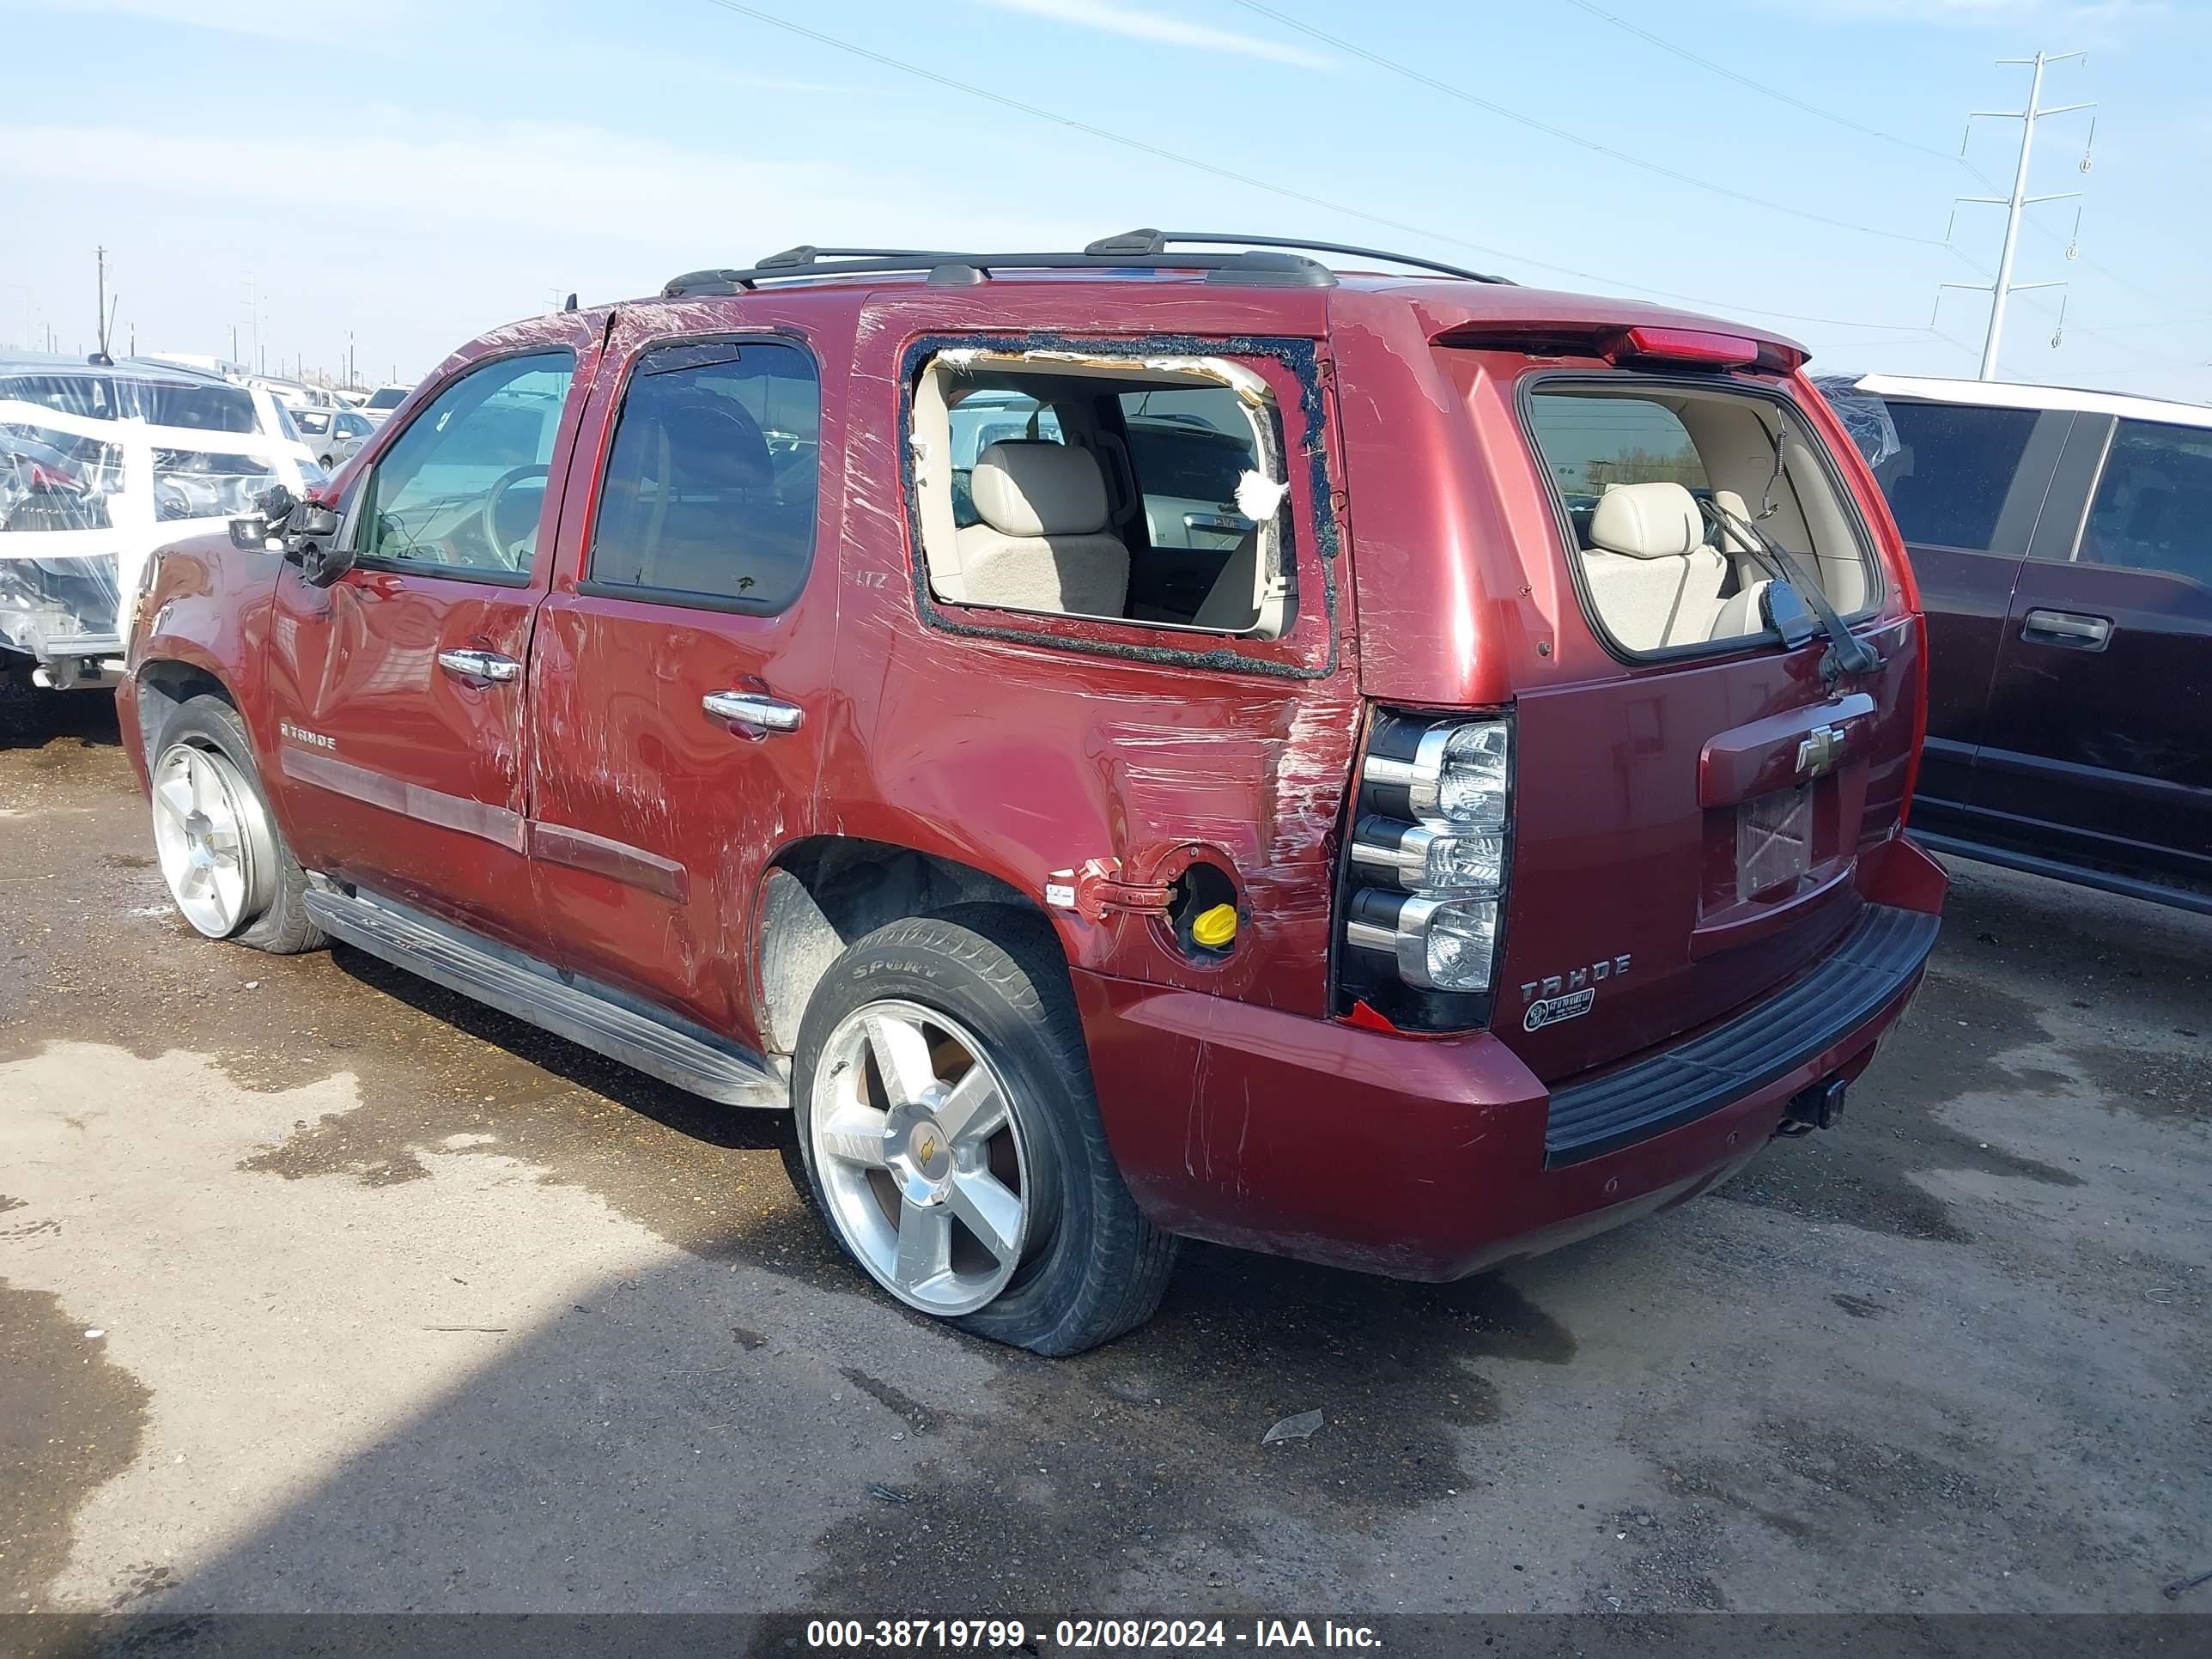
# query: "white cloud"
(1111, 19)
(436, 228)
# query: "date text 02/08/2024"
(1079, 1635)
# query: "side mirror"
(321, 563)
(307, 531)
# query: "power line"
(1760, 86)
(1797, 103)
(1576, 138)
(1283, 190)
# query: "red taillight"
(44, 478)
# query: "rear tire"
(221, 852)
(950, 1137)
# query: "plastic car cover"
(87, 493)
(1864, 416)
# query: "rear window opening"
(1667, 487)
(1146, 491)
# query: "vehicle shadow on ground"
(689, 1438)
(61, 719)
(675, 1108)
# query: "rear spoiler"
(1638, 345)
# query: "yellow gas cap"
(1215, 928)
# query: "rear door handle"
(751, 708)
(486, 666)
(2067, 627)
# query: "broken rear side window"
(1148, 492)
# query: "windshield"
(390, 396)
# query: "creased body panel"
(1026, 745)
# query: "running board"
(600, 1019)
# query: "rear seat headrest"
(1647, 521)
(713, 443)
(1731, 539)
(1028, 487)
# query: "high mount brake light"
(1683, 345)
(1701, 348)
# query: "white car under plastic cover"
(154, 485)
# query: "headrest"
(1647, 521)
(1027, 487)
(1732, 539)
(713, 443)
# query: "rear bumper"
(1880, 959)
(1432, 1160)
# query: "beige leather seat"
(1739, 613)
(1229, 603)
(1655, 581)
(1042, 544)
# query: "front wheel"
(220, 849)
(950, 1136)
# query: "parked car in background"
(293, 394)
(2062, 541)
(99, 463)
(794, 686)
(332, 434)
(382, 401)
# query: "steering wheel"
(508, 557)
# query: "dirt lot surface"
(323, 1289)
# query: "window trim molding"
(677, 598)
(1287, 658)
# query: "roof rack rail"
(1258, 267)
(1267, 261)
(1152, 244)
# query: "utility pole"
(2014, 205)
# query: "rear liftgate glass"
(1426, 874)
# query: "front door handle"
(2067, 627)
(751, 708)
(486, 666)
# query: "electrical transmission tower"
(2017, 204)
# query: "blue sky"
(415, 171)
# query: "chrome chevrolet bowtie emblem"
(1817, 753)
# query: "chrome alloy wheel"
(216, 850)
(930, 1175)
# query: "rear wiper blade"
(1847, 653)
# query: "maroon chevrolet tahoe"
(1401, 770)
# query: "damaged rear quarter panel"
(1026, 745)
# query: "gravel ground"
(321, 1290)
